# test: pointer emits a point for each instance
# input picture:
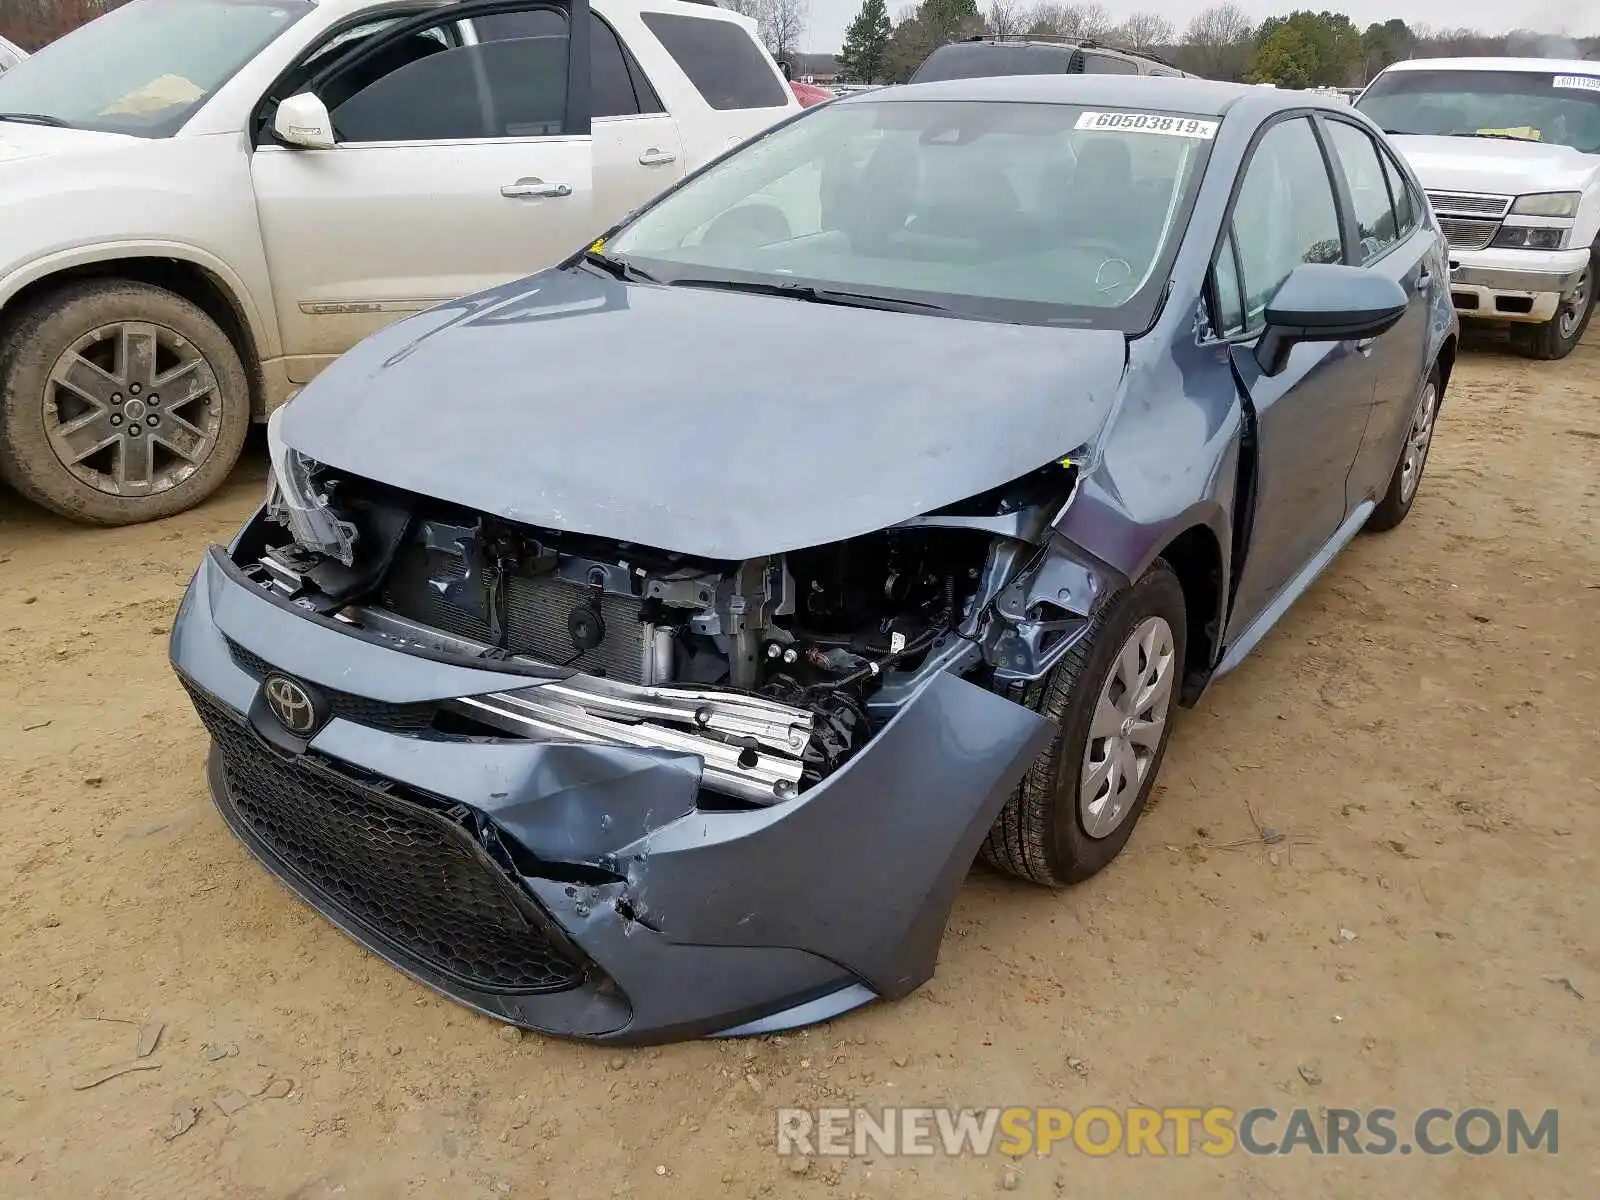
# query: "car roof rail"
(1059, 39)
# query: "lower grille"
(536, 617)
(406, 874)
(1468, 233)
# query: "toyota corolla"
(648, 648)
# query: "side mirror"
(303, 121)
(1327, 303)
(788, 71)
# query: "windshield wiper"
(617, 268)
(35, 119)
(815, 295)
(1503, 137)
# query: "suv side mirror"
(303, 121)
(788, 71)
(1327, 303)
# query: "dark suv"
(981, 57)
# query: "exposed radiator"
(537, 611)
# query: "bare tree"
(1085, 21)
(1144, 30)
(1217, 42)
(1003, 19)
(783, 24)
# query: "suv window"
(1285, 213)
(1109, 64)
(425, 87)
(721, 61)
(7, 57)
(1369, 188)
(979, 60)
(617, 86)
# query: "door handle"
(532, 189)
(1424, 277)
(656, 158)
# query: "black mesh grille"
(396, 718)
(409, 875)
(537, 611)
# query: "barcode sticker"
(1582, 83)
(1137, 122)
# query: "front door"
(1309, 418)
(1391, 239)
(459, 166)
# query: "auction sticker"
(1143, 122)
(1583, 83)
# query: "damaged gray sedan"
(647, 649)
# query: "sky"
(825, 28)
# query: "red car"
(809, 94)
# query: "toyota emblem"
(292, 704)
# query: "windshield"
(1540, 106)
(146, 67)
(1036, 213)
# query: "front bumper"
(580, 889)
(1514, 285)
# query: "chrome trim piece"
(1470, 204)
(1501, 280)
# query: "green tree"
(1307, 49)
(1384, 44)
(865, 56)
(924, 30)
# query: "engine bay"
(773, 668)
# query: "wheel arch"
(201, 279)
(1446, 363)
(1195, 556)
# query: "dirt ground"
(1421, 730)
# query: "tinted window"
(1369, 188)
(428, 91)
(7, 57)
(1107, 64)
(1405, 202)
(617, 88)
(719, 58)
(1285, 214)
(978, 60)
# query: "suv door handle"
(656, 158)
(531, 189)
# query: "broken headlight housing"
(294, 501)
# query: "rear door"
(638, 150)
(459, 166)
(1390, 238)
(1309, 418)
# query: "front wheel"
(1407, 477)
(1112, 698)
(1559, 336)
(119, 403)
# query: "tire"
(1043, 834)
(112, 450)
(1408, 468)
(1560, 336)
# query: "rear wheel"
(1407, 477)
(120, 403)
(1559, 336)
(1112, 697)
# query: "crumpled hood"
(1504, 168)
(705, 422)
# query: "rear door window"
(719, 58)
(1369, 188)
(1109, 64)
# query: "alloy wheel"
(1125, 733)
(132, 409)
(1418, 440)
(1576, 305)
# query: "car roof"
(1203, 96)
(1551, 66)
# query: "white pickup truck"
(1508, 150)
(203, 202)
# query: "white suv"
(203, 202)
(1509, 152)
